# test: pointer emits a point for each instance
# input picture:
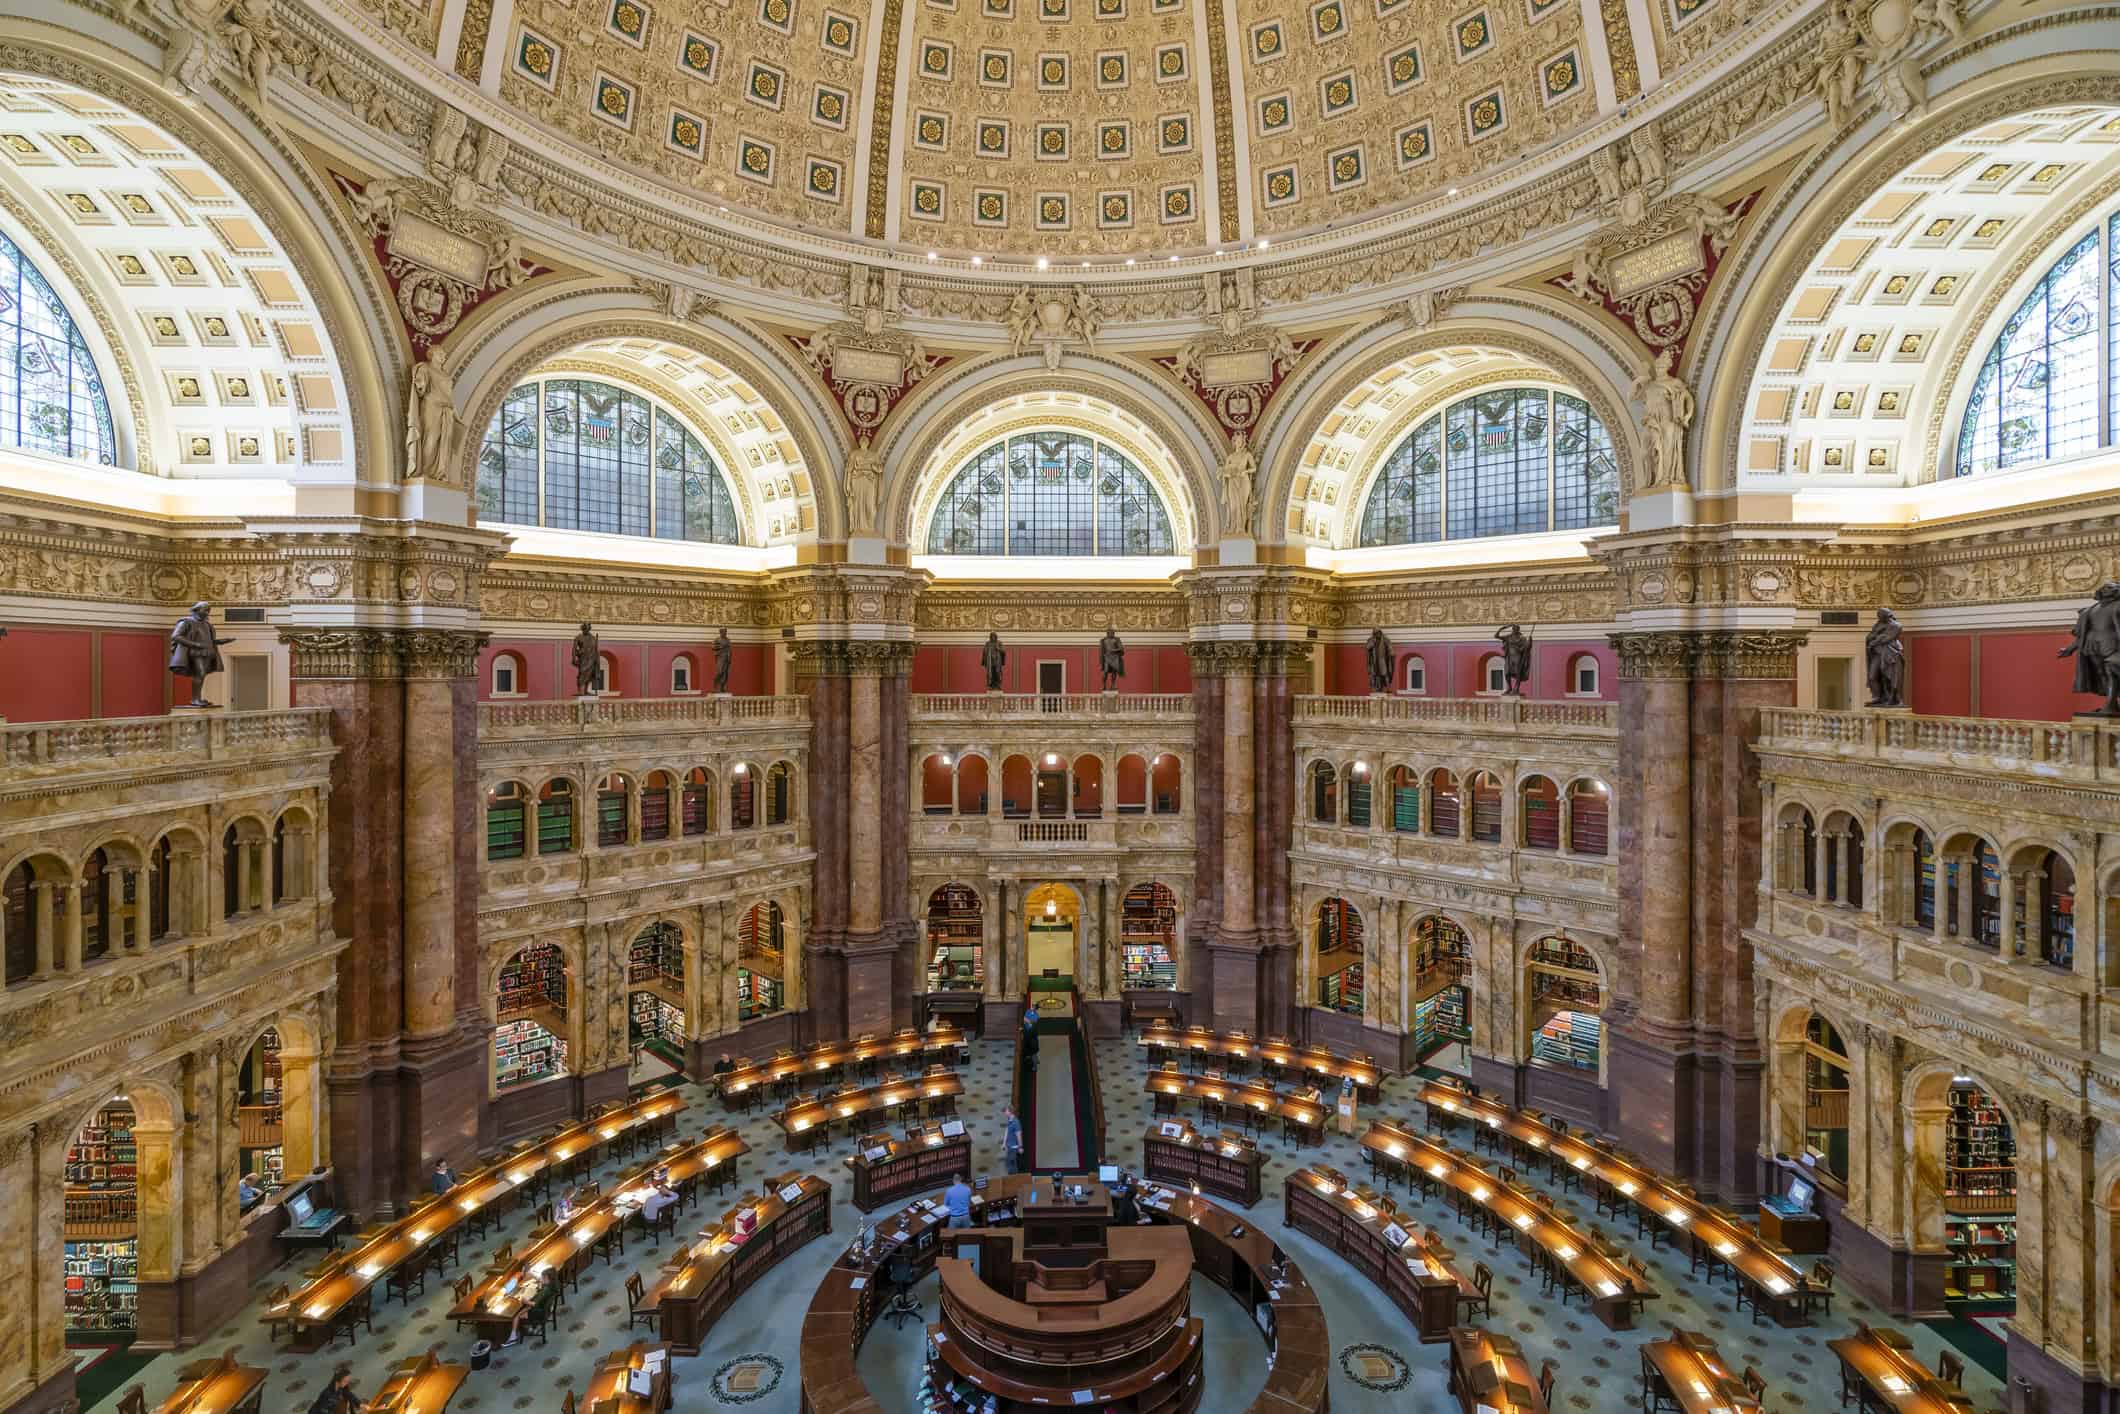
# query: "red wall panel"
(955, 668)
(1940, 673)
(643, 669)
(2021, 675)
(45, 674)
(136, 677)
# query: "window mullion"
(537, 422)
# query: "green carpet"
(1975, 1342)
(109, 1374)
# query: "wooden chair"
(461, 1292)
(281, 1295)
(406, 1275)
(1950, 1368)
(635, 1288)
(1482, 1304)
(358, 1312)
(1643, 1284)
(566, 1405)
(1818, 1287)
(543, 1215)
(133, 1401)
(1545, 1382)
(665, 1221)
(504, 1253)
(1755, 1384)
(1656, 1395)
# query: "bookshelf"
(650, 1018)
(1148, 939)
(1983, 1263)
(743, 800)
(1406, 806)
(532, 1013)
(758, 995)
(659, 952)
(1359, 793)
(1542, 821)
(761, 988)
(1342, 990)
(555, 819)
(1486, 809)
(1440, 1020)
(1568, 1040)
(955, 930)
(525, 1053)
(1339, 945)
(100, 1233)
(1979, 1154)
(258, 1114)
(504, 822)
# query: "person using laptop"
(247, 1191)
(660, 1196)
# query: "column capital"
(844, 658)
(385, 654)
(1246, 657)
(1715, 654)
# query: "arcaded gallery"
(980, 706)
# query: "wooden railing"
(121, 743)
(610, 713)
(1460, 711)
(1072, 704)
(2083, 749)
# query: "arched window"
(780, 793)
(1324, 793)
(684, 675)
(51, 395)
(606, 684)
(1164, 779)
(971, 786)
(1050, 493)
(1416, 675)
(614, 799)
(655, 806)
(580, 454)
(509, 679)
(504, 821)
(1539, 813)
(1494, 676)
(698, 801)
(1582, 675)
(743, 796)
(2036, 395)
(1589, 817)
(1510, 461)
(1360, 787)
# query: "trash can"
(481, 1354)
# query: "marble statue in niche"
(1111, 659)
(2095, 645)
(1238, 470)
(194, 652)
(1516, 659)
(1885, 661)
(586, 662)
(993, 658)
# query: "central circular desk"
(1045, 1302)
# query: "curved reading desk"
(1043, 1300)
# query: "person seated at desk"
(563, 1210)
(338, 1396)
(725, 1065)
(660, 1196)
(957, 1202)
(1124, 1211)
(529, 1293)
(247, 1192)
(444, 1177)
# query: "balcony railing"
(125, 743)
(573, 714)
(1459, 711)
(2086, 750)
(1069, 704)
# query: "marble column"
(1238, 802)
(430, 859)
(243, 876)
(143, 910)
(44, 928)
(864, 798)
(69, 904)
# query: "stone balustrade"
(578, 716)
(2085, 749)
(981, 706)
(46, 749)
(1475, 712)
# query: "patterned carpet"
(749, 1360)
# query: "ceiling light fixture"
(1264, 244)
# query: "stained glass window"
(1509, 461)
(579, 454)
(1050, 493)
(51, 396)
(2036, 395)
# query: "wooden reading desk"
(1226, 1165)
(492, 1305)
(421, 1385)
(1717, 1238)
(1201, 1043)
(311, 1310)
(697, 1284)
(216, 1387)
(1880, 1362)
(803, 1120)
(1609, 1285)
(1489, 1371)
(608, 1391)
(927, 1158)
(1389, 1247)
(1302, 1115)
(1688, 1370)
(740, 1086)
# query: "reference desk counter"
(1690, 1372)
(808, 1116)
(1717, 1238)
(492, 1305)
(1488, 1371)
(886, 1170)
(1389, 1247)
(613, 1389)
(421, 1385)
(1202, 1044)
(1225, 1166)
(312, 1310)
(217, 1387)
(1610, 1286)
(727, 1259)
(740, 1087)
(1881, 1361)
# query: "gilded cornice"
(536, 593)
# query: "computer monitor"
(1799, 1195)
(299, 1208)
(1107, 1173)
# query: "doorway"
(1052, 677)
(1051, 920)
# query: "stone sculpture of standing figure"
(993, 658)
(587, 662)
(1667, 411)
(1379, 661)
(194, 652)
(1885, 661)
(724, 655)
(1238, 470)
(1111, 659)
(1516, 659)
(2095, 645)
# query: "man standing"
(1011, 1140)
(957, 1202)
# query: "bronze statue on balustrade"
(1885, 661)
(1379, 661)
(724, 656)
(993, 658)
(587, 661)
(1516, 658)
(2096, 647)
(194, 652)
(1111, 659)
